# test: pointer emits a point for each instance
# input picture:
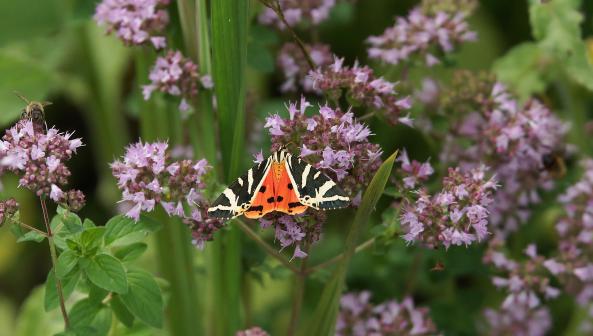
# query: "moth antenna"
(46, 103)
(22, 97)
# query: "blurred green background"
(52, 50)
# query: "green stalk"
(324, 319)
(229, 47)
(175, 252)
(106, 63)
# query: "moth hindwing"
(237, 198)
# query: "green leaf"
(87, 224)
(525, 68)
(144, 298)
(130, 252)
(106, 272)
(72, 222)
(556, 24)
(83, 312)
(580, 67)
(229, 30)
(121, 311)
(66, 263)
(92, 238)
(88, 318)
(97, 294)
(31, 236)
(51, 300)
(325, 316)
(121, 226)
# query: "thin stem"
(299, 292)
(28, 227)
(54, 261)
(367, 116)
(339, 257)
(275, 6)
(269, 249)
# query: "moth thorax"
(278, 169)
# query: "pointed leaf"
(66, 263)
(324, 319)
(144, 298)
(51, 294)
(106, 272)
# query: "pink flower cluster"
(147, 176)
(359, 317)
(296, 11)
(8, 208)
(525, 281)
(513, 140)
(362, 87)
(135, 21)
(573, 264)
(39, 157)
(423, 35)
(297, 231)
(176, 75)
(255, 331)
(295, 68)
(414, 172)
(331, 140)
(457, 215)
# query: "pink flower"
(176, 75)
(135, 22)
(420, 34)
(358, 316)
(456, 215)
(313, 11)
(38, 157)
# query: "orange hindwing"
(276, 194)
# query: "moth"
(281, 183)
(34, 111)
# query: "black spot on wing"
(279, 199)
(270, 200)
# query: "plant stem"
(299, 292)
(54, 261)
(28, 227)
(340, 256)
(269, 249)
(275, 6)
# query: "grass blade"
(324, 319)
(229, 57)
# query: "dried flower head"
(361, 88)
(295, 68)
(358, 316)
(178, 76)
(135, 21)
(331, 140)
(456, 215)
(423, 35)
(148, 176)
(39, 158)
(8, 208)
(297, 11)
